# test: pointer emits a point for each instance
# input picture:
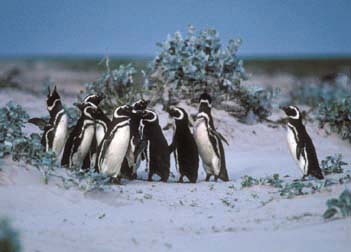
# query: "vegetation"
(341, 205)
(9, 237)
(333, 164)
(199, 62)
(336, 114)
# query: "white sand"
(144, 216)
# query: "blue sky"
(90, 27)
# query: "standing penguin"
(300, 144)
(209, 141)
(113, 148)
(184, 146)
(157, 150)
(80, 139)
(56, 130)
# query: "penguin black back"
(184, 146)
(157, 146)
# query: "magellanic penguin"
(56, 129)
(209, 141)
(300, 144)
(136, 145)
(113, 148)
(101, 126)
(183, 146)
(157, 151)
(80, 139)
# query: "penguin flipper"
(40, 122)
(220, 136)
(299, 149)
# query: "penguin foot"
(116, 181)
(208, 176)
(149, 177)
(181, 179)
(133, 176)
(216, 178)
(303, 177)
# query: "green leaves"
(333, 164)
(337, 115)
(341, 205)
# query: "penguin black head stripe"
(88, 110)
(123, 111)
(140, 104)
(292, 112)
(149, 116)
(53, 101)
(206, 99)
(177, 113)
(94, 99)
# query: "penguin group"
(115, 146)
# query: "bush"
(337, 115)
(333, 164)
(9, 238)
(341, 205)
(116, 84)
(198, 62)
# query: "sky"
(130, 27)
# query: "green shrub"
(341, 205)
(336, 114)
(333, 164)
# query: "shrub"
(9, 238)
(333, 164)
(341, 205)
(198, 62)
(337, 115)
(116, 84)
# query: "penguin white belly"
(100, 133)
(301, 162)
(115, 153)
(207, 153)
(60, 135)
(83, 148)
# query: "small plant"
(333, 164)
(274, 181)
(341, 205)
(248, 181)
(12, 119)
(9, 238)
(337, 115)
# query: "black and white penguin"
(80, 139)
(157, 151)
(113, 148)
(56, 129)
(183, 146)
(300, 144)
(137, 145)
(209, 141)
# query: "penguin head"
(292, 112)
(53, 99)
(205, 101)
(178, 113)
(88, 110)
(140, 104)
(94, 98)
(149, 116)
(123, 111)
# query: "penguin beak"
(283, 108)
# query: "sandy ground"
(144, 216)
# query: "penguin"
(56, 129)
(80, 139)
(101, 126)
(183, 146)
(113, 148)
(300, 144)
(157, 151)
(209, 141)
(136, 145)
